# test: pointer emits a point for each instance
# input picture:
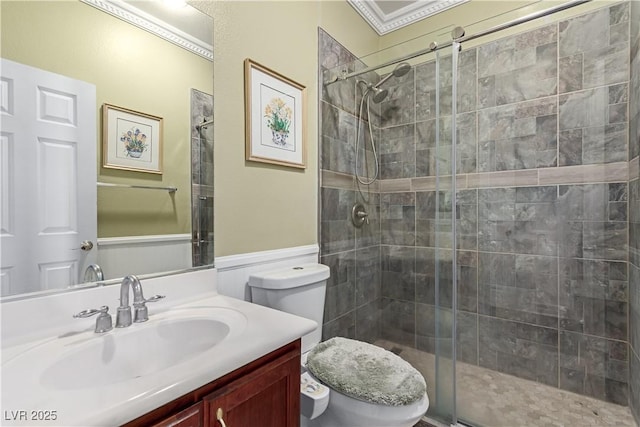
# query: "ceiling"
(186, 19)
(385, 16)
(184, 26)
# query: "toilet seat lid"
(366, 372)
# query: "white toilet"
(331, 394)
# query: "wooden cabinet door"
(267, 397)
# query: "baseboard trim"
(143, 240)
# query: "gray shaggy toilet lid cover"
(366, 372)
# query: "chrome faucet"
(93, 273)
(123, 317)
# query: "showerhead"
(400, 70)
(379, 94)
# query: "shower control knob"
(359, 215)
(364, 215)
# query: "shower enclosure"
(511, 284)
(202, 178)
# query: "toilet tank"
(297, 290)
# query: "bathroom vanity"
(198, 352)
(265, 393)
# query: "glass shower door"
(440, 231)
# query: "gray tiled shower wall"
(543, 277)
(353, 291)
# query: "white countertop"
(265, 330)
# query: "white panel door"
(48, 161)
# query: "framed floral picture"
(275, 117)
(131, 140)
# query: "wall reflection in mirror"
(66, 221)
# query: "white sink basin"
(113, 358)
(89, 360)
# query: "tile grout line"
(477, 247)
(630, 349)
(415, 213)
(559, 342)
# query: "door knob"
(86, 245)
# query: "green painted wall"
(258, 206)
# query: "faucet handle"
(154, 298)
(140, 312)
(104, 322)
(91, 312)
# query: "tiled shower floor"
(493, 399)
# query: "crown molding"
(153, 25)
(384, 23)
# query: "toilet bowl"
(344, 411)
(300, 290)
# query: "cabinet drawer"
(190, 417)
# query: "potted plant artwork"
(131, 140)
(134, 142)
(275, 125)
(278, 116)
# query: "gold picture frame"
(131, 140)
(275, 117)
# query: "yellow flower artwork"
(278, 116)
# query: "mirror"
(66, 220)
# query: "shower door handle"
(199, 239)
